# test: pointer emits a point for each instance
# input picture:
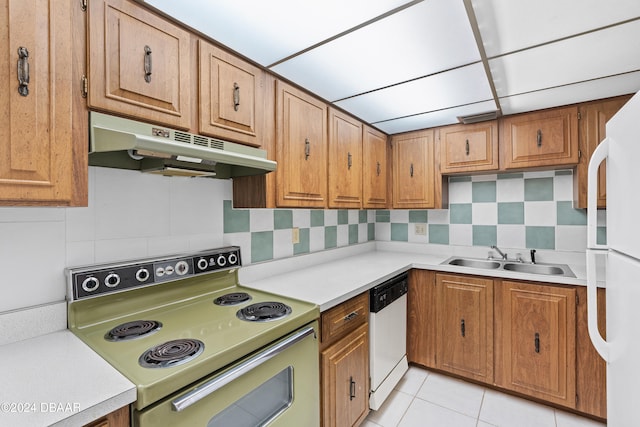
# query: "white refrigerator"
(621, 349)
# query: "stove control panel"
(86, 282)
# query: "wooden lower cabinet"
(118, 418)
(345, 375)
(536, 337)
(464, 326)
(528, 338)
(344, 363)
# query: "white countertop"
(55, 379)
(72, 385)
(332, 280)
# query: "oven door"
(277, 386)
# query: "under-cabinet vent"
(182, 137)
(475, 118)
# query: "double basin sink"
(518, 267)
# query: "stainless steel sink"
(518, 267)
(549, 269)
(474, 263)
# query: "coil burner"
(171, 353)
(133, 330)
(264, 311)
(234, 298)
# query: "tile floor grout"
(429, 399)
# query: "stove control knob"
(112, 280)
(233, 258)
(202, 264)
(168, 270)
(221, 261)
(142, 275)
(90, 284)
(182, 268)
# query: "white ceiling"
(404, 65)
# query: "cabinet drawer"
(345, 317)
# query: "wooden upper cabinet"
(592, 130)
(465, 326)
(345, 161)
(301, 148)
(140, 65)
(43, 157)
(413, 170)
(374, 169)
(469, 148)
(230, 96)
(538, 338)
(541, 139)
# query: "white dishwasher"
(388, 337)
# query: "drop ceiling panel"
(267, 31)
(429, 37)
(436, 118)
(508, 25)
(564, 95)
(599, 54)
(453, 88)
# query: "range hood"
(128, 144)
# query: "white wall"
(130, 215)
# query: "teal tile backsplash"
(524, 210)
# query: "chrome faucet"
(502, 254)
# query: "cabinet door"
(592, 130)
(230, 92)
(345, 374)
(591, 369)
(139, 64)
(301, 141)
(465, 326)
(375, 155)
(413, 170)
(546, 138)
(117, 418)
(421, 318)
(37, 136)
(469, 148)
(345, 161)
(538, 338)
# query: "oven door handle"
(183, 402)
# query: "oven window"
(260, 405)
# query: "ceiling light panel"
(453, 88)
(508, 25)
(268, 31)
(594, 55)
(571, 94)
(426, 38)
(435, 118)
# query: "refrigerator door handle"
(599, 155)
(601, 346)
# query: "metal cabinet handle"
(183, 402)
(536, 342)
(307, 148)
(349, 161)
(378, 168)
(352, 388)
(23, 71)
(539, 137)
(462, 328)
(411, 170)
(350, 316)
(236, 96)
(466, 147)
(147, 64)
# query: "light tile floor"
(427, 399)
